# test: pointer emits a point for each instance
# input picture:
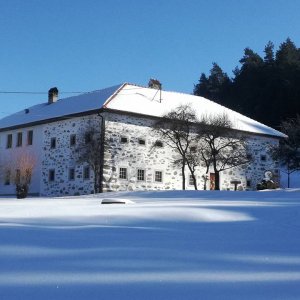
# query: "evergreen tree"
(266, 89)
(215, 86)
(269, 53)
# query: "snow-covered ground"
(160, 245)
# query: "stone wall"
(63, 157)
(133, 156)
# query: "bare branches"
(90, 150)
(221, 145)
(175, 129)
(18, 169)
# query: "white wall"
(8, 155)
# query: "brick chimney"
(52, 95)
(154, 84)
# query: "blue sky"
(83, 45)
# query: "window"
(124, 140)
(248, 183)
(53, 143)
(28, 174)
(19, 139)
(72, 140)
(51, 176)
(9, 141)
(191, 180)
(123, 173)
(158, 176)
(263, 157)
(193, 149)
(158, 144)
(141, 175)
(86, 172)
(249, 156)
(29, 137)
(142, 142)
(18, 176)
(87, 138)
(7, 178)
(71, 174)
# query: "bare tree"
(287, 154)
(176, 130)
(90, 150)
(221, 146)
(18, 170)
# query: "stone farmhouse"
(50, 132)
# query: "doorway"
(212, 180)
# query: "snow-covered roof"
(63, 107)
(134, 99)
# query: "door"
(212, 180)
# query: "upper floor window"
(72, 140)
(263, 157)
(9, 141)
(87, 138)
(29, 137)
(193, 149)
(142, 142)
(141, 175)
(53, 143)
(19, 139)
(124, 140)
(158, 144)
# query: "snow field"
(161, 245)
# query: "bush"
(21, 191)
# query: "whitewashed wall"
(11, 154)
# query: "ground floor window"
(158, 176)
(71, 174)
(86, 172)
(51, 175)
(7, 178)
(123, 173)
(191, 180)
(141, 175)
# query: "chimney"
(154, 84)
(52, 95)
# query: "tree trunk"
(195, 181)
(289, 179)
(217, 175)
(217, 180)
(183, 176)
